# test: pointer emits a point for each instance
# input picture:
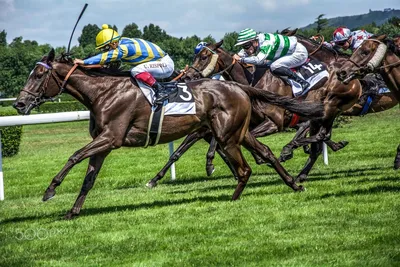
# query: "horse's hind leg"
(240, 167)
(255, 146)
(287, 150)
(94, 167)
(184, 146)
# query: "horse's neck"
(392, 74)
(86, 89)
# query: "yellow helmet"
(106, 36)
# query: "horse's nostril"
(18, 105)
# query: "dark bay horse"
(335, 96)
(377, 54)
(120, 114)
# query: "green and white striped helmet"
(245, 36)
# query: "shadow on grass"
(114, 209)
(358, 192)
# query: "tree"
(395, 21)
(88, 36)
(321, 22)
(154, 33)
(3, 38)
(132, 31)
(230, 40)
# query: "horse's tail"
(312, 110)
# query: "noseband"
(39, 99)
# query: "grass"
(348, 216)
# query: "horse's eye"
(204, 57)
(364, 52)
(39, 74)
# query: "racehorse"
(334, 95)
(120, 115)
(377, 54)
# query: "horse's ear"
(217, 45)
(285, 31)
(51, 55)
(295, 31)
(381, 37)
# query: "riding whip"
(70, 39)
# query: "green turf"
(348, 216)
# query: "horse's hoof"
(151, 184)
(301, 188)
(344, 143)
(70, 215)
(285, 157)
(302, 178)
(210, 170)
(49, 194)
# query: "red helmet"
(341, 34)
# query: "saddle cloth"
(180, 102)
(312, 71)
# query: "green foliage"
(3, 38)
(10, 136)
(19, 57)
(63, 106)
(88, 36)
(321, 23)
(132, 31)
(230, 40)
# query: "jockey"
(346, 39)
(149, 61)
(281, 52)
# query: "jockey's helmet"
(106, 36)
(341, 34)
(198, 47)
(245, 36)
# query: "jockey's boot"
(160, 95)
(286, 73)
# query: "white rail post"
(171, 151)
(325, 152)
(1, 174)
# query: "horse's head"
(37, 90)
(365, 59)
(204, 63)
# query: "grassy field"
(348, 216)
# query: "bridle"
(215, 55)
(38, 97)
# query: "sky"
(52, 21)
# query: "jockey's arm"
(106, 57)
(259, 59)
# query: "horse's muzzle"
(21, 108)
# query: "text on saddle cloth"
(312, 71)
(180, 103)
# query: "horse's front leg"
(397, 159)
(98, 145)
(94, 167)
(184, 146)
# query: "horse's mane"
(323, 47)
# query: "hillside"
(356, 21)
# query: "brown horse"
(377, 54)
(335, 96)
(120, 115)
